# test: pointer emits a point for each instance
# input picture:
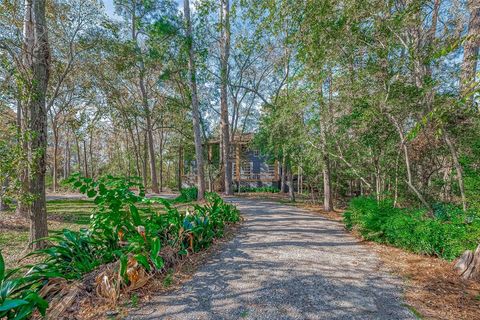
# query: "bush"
(266, 189)
(446, 235)
(187, 195)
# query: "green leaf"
(9, 304)
(2, 267)
(123, 266)
(102, 189)
(154, 254)
(143, 261)
(91, 193)
(158, 262)
(135, 215)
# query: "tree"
(195, 104)
(224, 120)
(36, 37)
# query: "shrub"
(266, 189)
(18, 295)
(446, 235)
(187, 195)
(71, 255)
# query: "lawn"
(72, 214)
(66, 213)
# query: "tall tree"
(195, 104)
(37, 118)
(224, 120)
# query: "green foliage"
(72, 255)
(123, 224)
(269, 189)
(18, 295)
(187, 195)
(446, 235)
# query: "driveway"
(285, 263)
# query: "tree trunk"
(180, 170)
(145, 159)
(90, 153)
(151, 152)
(283, 177)
(3, 205)
(195, 107)
(409, 180)
(79, 156)
(160, 175)
(135, 150)
(470, 50)
(459, 169)
(327, 184)
(55, 158)
(38, 125)
(291, 191)
(146, 108)
(22, 112)
(67, 164)
(224, 121)
(85, 165)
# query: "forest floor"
(285, 263)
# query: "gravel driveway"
(285, 263)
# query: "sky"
(109, 7)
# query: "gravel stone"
(285, 263)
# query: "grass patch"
(168, 280)
(415, 312)
(73, 214)
(62, 214)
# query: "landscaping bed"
(128, 242)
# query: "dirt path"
(285, 263)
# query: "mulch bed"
(89, 306)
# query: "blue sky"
(111, 9)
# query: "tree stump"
(468, 265)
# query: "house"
(249, 167)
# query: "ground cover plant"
(266, 189)
(446, 234)
(187, 195)
(126, 231)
